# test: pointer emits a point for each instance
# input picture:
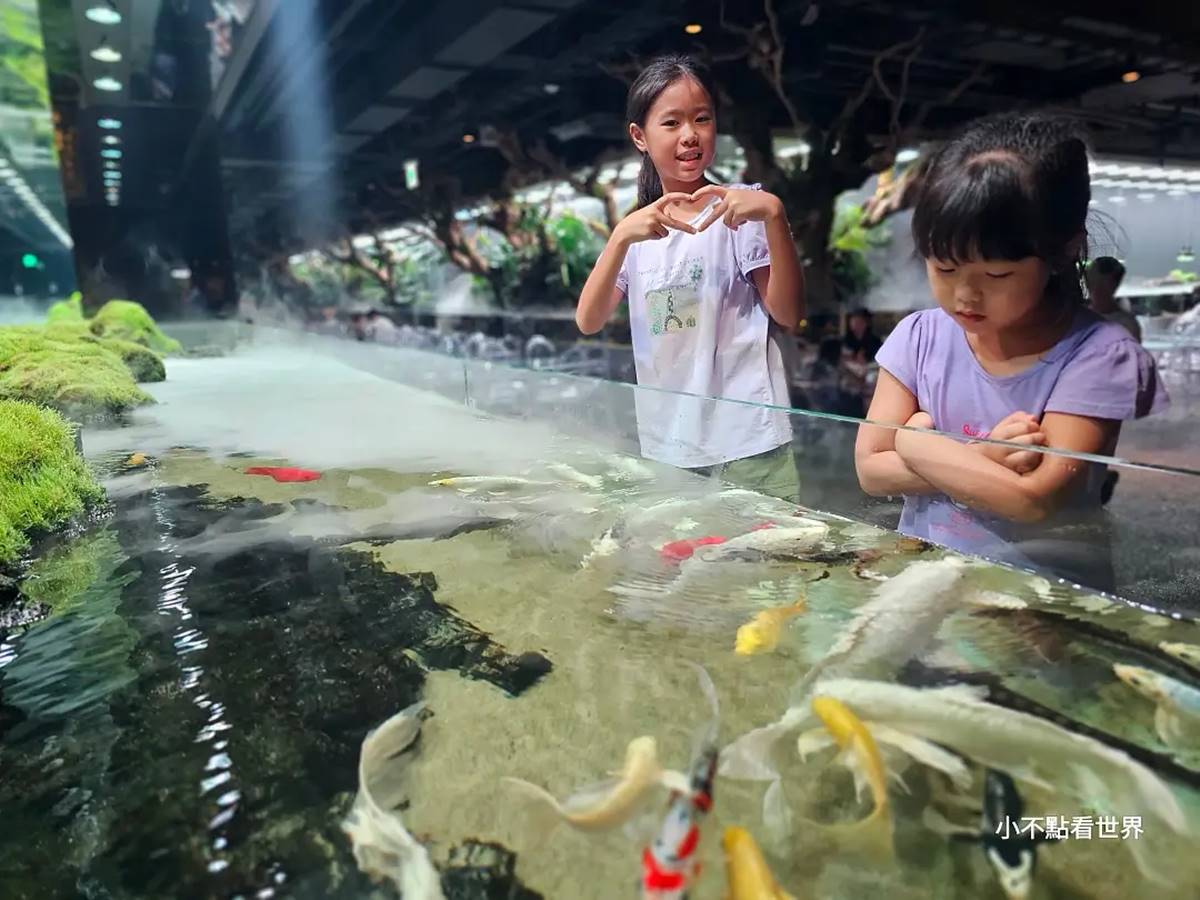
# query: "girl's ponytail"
(649, 187)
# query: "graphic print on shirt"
(676, 307)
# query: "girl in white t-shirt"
(712, 277)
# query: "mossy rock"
(44, 482)
(144, 364)
(69, 310)
(129, 321)
(83, 379)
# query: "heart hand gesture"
(735, 206)
(653, 222)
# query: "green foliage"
(56, 367)
(549, 266)
(129, 321)
(849, 243)
(44, 482)
(21, 51)
(69, 310)
(324, 278)
(1182, 277)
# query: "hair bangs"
(983, 211)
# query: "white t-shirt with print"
(699, 327)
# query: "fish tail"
(543, 813)
(872, 837)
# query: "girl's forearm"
(971, 477)
(596, 301)
(885, 474)
(785, 288)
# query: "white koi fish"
(1177, 713)
(489, 482)
(383, 847)
(572, 474)
(1189, 653)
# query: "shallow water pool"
(186, 717)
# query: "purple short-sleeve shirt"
(1097, 370)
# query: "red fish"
(284, 473)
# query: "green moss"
(129, 321)
(143, 363)
(69, 310)
(44, 482)
(81, 378)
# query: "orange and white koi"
(669, 864)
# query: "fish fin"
(777, 815)
(925, 752)
(813, 742)
(676, 781)
(1168, 725)
(589, 795)
(939, 824)
(749, 757)
(542, 811)
(996, 600)
(641, 829)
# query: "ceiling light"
(106, 54)
(109, 164)
(468, 138)
(1116, 198)
(109, 123)
(107, 83)
(1176, 192)
(693, 28)
(182, 273)
(111, 139)
(1146, 195)
(111, 154)
(907, 155)
(1185, 255)
(103, 15)
(1131, 76)
(550, 88)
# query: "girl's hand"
(653, 222)
(736, 205)
(1016, 428)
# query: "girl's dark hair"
(652, 81)
(1009, 187)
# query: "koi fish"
(608, 804)
(284, 473)
(668, 864)
(1010, 852)
(761, 634)
(1189, 653)
(383, 847)
(572, 474)
(866, 763)
(767, 540)
(1177, 712)
(1029, 748)
(137, 459)
(487, 482)
(746, 871)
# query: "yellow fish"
(138, 459)
(608, 804)
(865, 761)
(746, 872)
(761, 634)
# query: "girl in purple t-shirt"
(1011, 352)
